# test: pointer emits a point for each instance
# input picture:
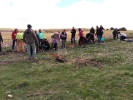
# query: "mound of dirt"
(80, 62)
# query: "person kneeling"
(45, 45)
(122, 36)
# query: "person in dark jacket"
(63, 38)
(115, 34)
(30, 39)
(1, 41)
(73, 33)
(90, 36)
(99, 34)
(45, 45)
(37, 46)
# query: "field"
(96, 72)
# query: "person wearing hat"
(30, 39)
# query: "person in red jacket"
(81, 36)
(14, 33)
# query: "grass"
(97, 72)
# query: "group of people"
(35, 41)
(116, 32)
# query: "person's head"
(101, 26)
(29, 26)
(64, 30)
(35, 32)
(40, 30)
(92, 28)
(119, 32)
(73, 27)
(16, 30)
(97, 27)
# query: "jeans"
(99, 39)
(31, 50)
(13, 43)
(63, 44)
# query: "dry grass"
(48, 33)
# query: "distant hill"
(45, 30)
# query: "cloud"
(82, 13)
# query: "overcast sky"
(66, 13)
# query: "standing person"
(115, 34)
(41, 37)
(14, 33)
(101, 29)
(20, 42)
(1, 41)
(81, 36)
(99, 34)
(73, 33)
(37, 46)
(63, 37)
(92, 31)
(30, 39)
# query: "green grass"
(97, 72)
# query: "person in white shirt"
(122, 36)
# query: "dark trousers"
(73, 40)
(13, 43)
(55, 46)
(37, 47)
(91, 38)
(40, 44)
(122, 37)
(0, 47)
(115, 36)
(81, 41)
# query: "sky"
(47, 14)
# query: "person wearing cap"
(14, 33)
(30, 39)
(20, 42)
(41, 37)
(1, 41)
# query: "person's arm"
(34, 35)
(1, 39)
(12, 36)
(24, 37)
